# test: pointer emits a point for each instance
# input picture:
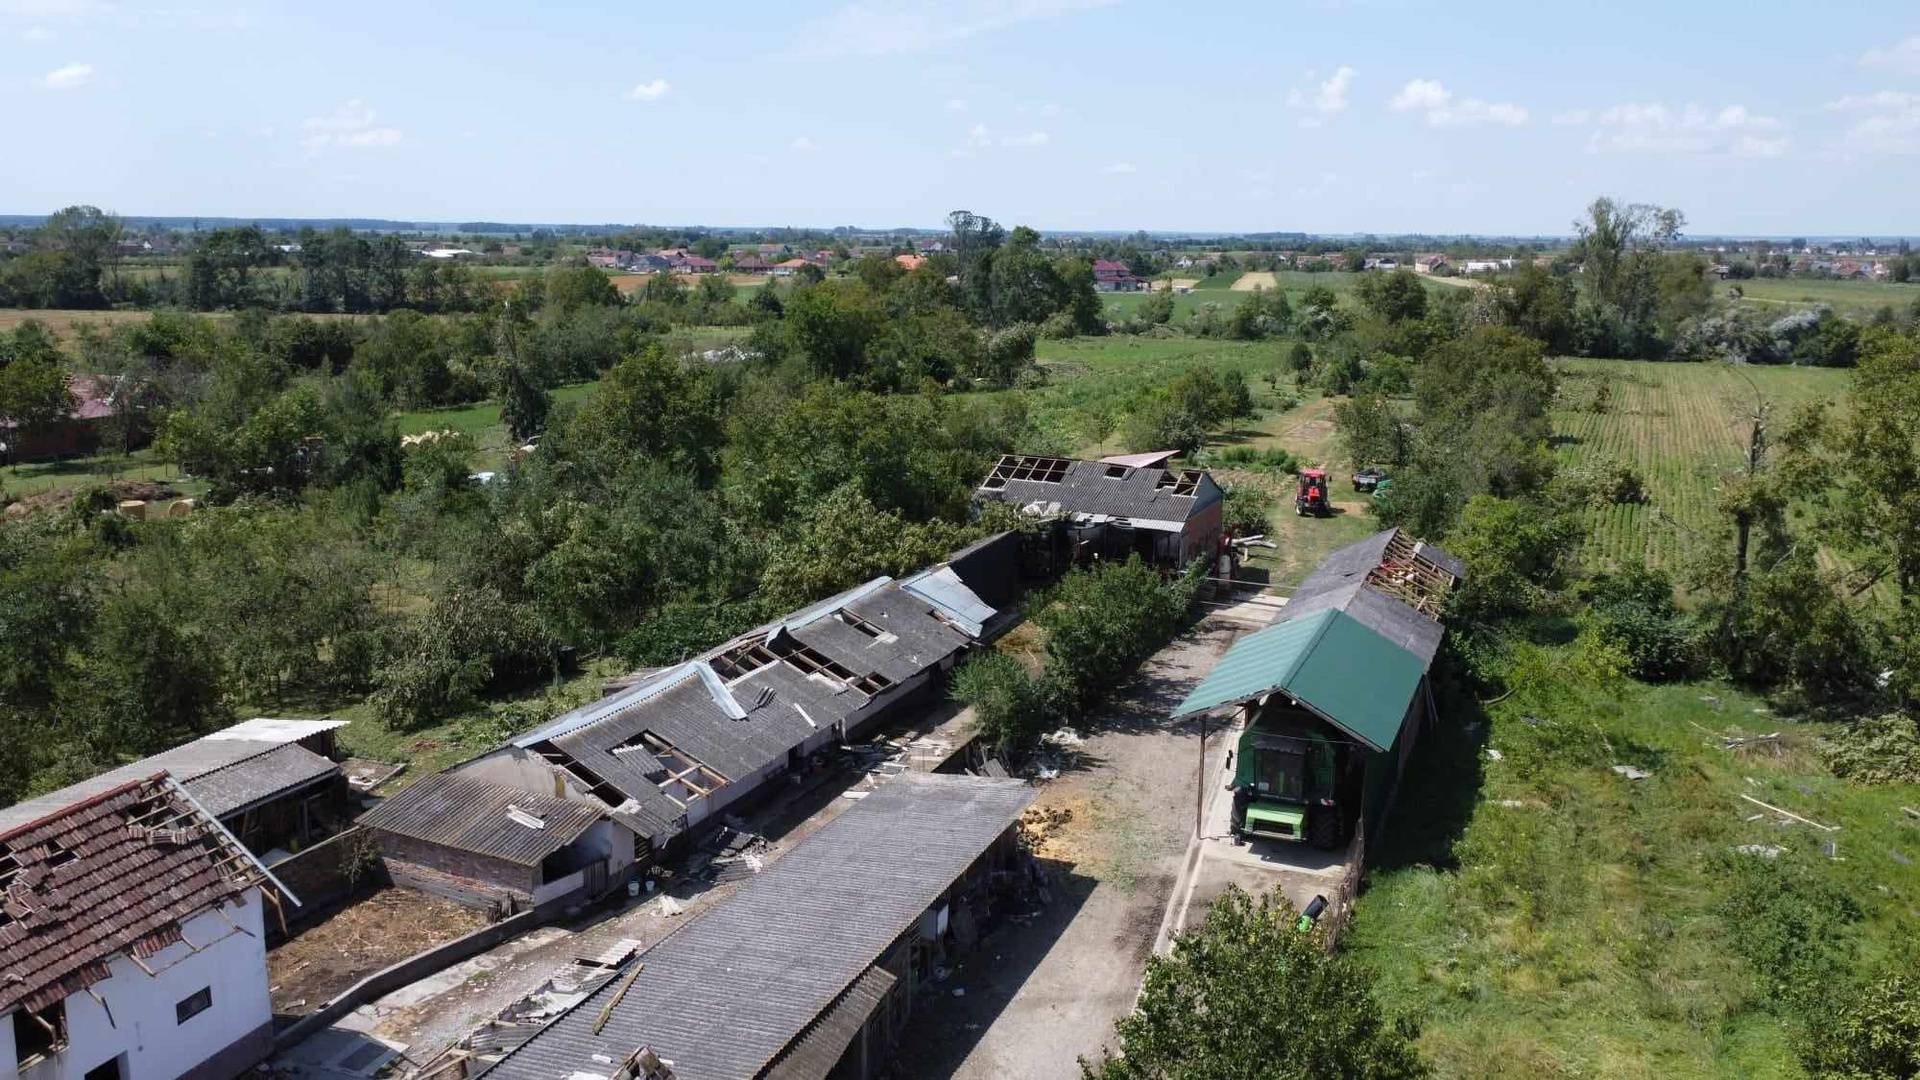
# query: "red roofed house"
(751, 264)
(910, 262)
(1110, 276)
(694, 264)
(787, 269)
(135, 941)
(80, 432)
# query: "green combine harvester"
(1291, 781)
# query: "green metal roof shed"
(1355, 679)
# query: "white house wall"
(232, 962)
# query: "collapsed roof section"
(115, 872)
(653, 749)
(1352, 645)
(1148, 496)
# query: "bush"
(1102, 622)
(1634, 611)
(1274, 458)
(1609, 482)
(1059, 326)
(1871, 1034)
(1011, 707)
(1248, 995)
(1793, 927)
(1876, 750)
(1246, 511)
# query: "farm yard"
(1682, 427)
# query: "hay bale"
(132, 509)
(182, 508)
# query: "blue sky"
(1460, 116)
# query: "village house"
(134, 932)
(1110, 276)
(811, 969)
(751, 264)
(1427, 264)
(668, 754)
(96, 403)
(1117, 506)
(271, 783)
(789, 267)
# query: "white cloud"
(649, 91)
(68, 76)
(1885, 122)
(36, 33)
(803, 145)
(956, 104)
(1120, 168)
(1656, 128)
(881, 27)
(1325, 100)
(1431, 98)
(977, 135)
(352, 126)
(1901, 56)
(1031, 138)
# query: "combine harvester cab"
(1294, 779)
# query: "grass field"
(1858, 298)
(1545, 917)
(1683, 427)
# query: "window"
(39, 1034)
(193, 1005)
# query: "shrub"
(1010, 706)
(1872, 1034)
(1634, 611)
(1246, 511)
(1876, 750)
(1102, 622)
(1793, 927)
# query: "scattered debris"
(1791, 814)
(1910, 811)
(1764, 851)
(1899, 858)
(1631, 773)
(1494, 755)
(1040, 823)
(959, 991)
(1832, 849)
(669, 906)
(1710, 700)
(1065, 736)
(1511, 804)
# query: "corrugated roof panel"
(943, 588)
(470, 814)
(724, 995)
(1257, 664)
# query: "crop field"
(1858, 298)
(1683, 427)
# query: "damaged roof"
(1350, 645)
(1109, 488)
(471, 814)
(725, 995)
(226, 771)
(880, 634)
(117, 871)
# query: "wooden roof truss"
(1411, 577)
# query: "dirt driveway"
(1036, 998)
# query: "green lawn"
(1857, 298)
(1545, 917)
(1682, 426)
(37, 477)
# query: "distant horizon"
(429, 225)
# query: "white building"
(135, 941)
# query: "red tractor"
(1311, 495)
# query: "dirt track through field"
(1255, 279)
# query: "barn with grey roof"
(669, 752)
(1115, 507)
(809, 969)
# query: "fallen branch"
(1911, 812)
(607, 1012)
(1791, 814)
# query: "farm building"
(679, 746)
(811, 968)
(96, 403)
(134, 936)
(1332, 696)
(491, 846)
(272, 783)
(1110, 276)
(1427, 264)
(1115, 507)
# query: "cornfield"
(1683, 427)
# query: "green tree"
(1872, 1034)
(572, 287)
(831, 325)
(1396, 297)
(1247, 995)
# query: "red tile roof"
(111, 874)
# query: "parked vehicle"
(1310, 497)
